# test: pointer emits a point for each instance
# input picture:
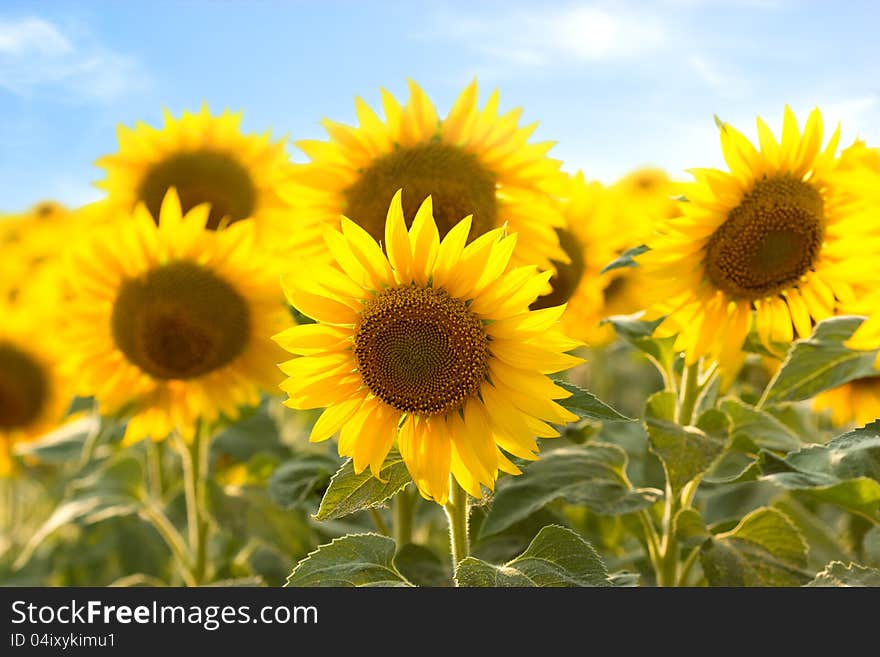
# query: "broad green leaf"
(353, 560)
(845, 471)
(686, 452)
(294, 481)
(626, 259)
(689, 527)
(820, 362)
(733, 468)
(593, 475)
(121, 477)
(248, 511)
(751, 427)
(64, 445)
(640, 334)
(349, 492)
(764, 549)
(624, 578)
(65, 514)
(421, 566)
(839, 574)
(557, 557)
(586, 405)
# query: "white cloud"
(37, 55)
(549, 35)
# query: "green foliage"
(844, 471)
(625, 259)
(294, 482)
(752, 428)
(820, 363)
(840, 574)
(639, 333)
(586, 405)
(686, 452)
(593, 475)
(349, 492)
(353, 560)
(764, 549)
(557, 557)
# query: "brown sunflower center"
(420, 350)
(23, 388)
(180, 321)
(769, 240)
(203, 176)
(568, 276)
(456, 180)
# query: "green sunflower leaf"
(586, 405)
(837, 573)
(593, 475)
(294, 482)
(556, 557)
(689, 527)
(640, 334)
(626, 259)
(349, 492)
(820, 363)
(764, 549)
(687, 453)
(844, 471)
(353, 560)
(751, 428)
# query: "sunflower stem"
(163, 526)
(194, 456)
(379, 521)
(690, 393)
(668, 572)
(457, 514)
(403, 508)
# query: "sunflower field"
(430, 355)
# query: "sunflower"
(32, 245)
(171, 323)
(433, 345)
(472, 162)
(207, 159)
(856, 402)
(34, 394)
(783, 240)
(601, 223)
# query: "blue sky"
(616, 84)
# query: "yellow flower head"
(34, 395)
(171, 323)
(433, 344)
(207, 159)
(601, 223)
(472, 162)
(787, 237)
(32, 245)
(856, 402)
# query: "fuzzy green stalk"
(457, 514)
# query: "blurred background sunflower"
(170, 324)
(474, 161)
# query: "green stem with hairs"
(403, 506)
(194, 457)
(457, 514)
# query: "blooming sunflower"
(207, 159)
(578, 283)
(855, 402)
(472, 162)
(171, 323)
(31, 249)
(601, 223)
(433, 345)
(782, 240)
(34, 395)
